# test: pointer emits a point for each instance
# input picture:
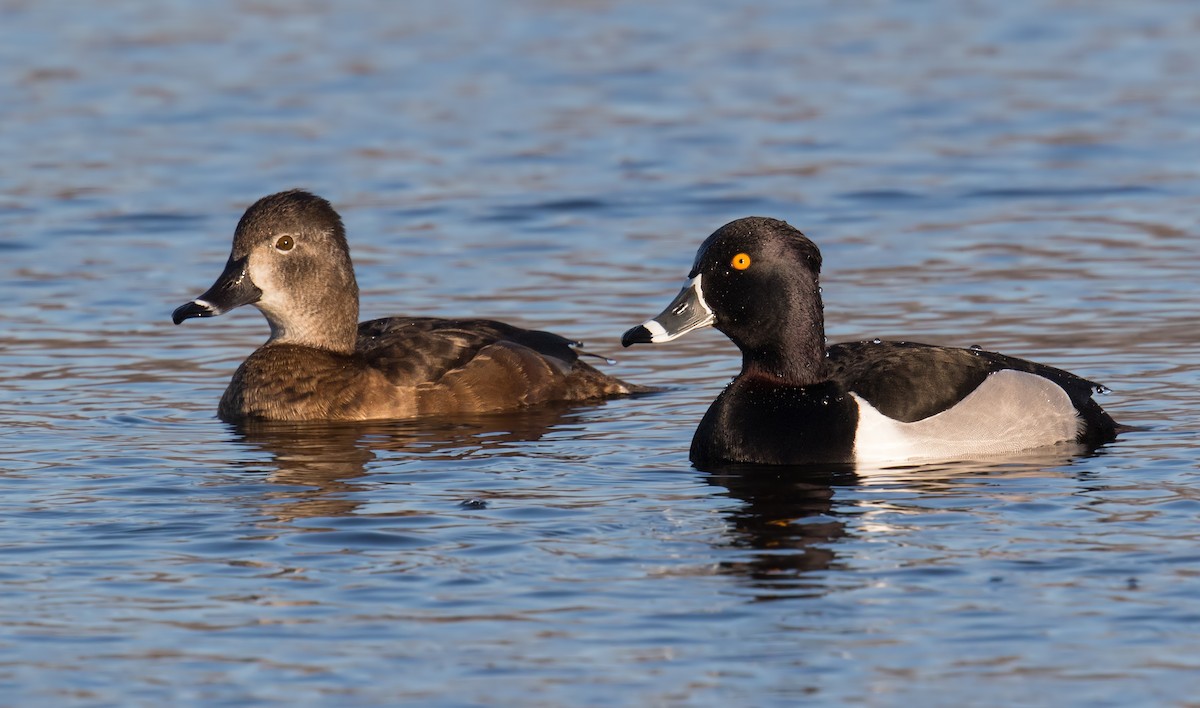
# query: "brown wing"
(423, 349)
(479, 365)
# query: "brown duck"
(291, 261)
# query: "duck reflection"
(788, 519)
(792, 519)
(316, 464)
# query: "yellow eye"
(285, 243)
(741, 261)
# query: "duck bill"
(688, 311)
(232, 289)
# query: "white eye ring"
(285, 243)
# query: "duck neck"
(339, 336)
(323, 320)
(794, 362)
(789, 350)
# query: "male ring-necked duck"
(796, 401)
(291, 261)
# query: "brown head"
(291, 261)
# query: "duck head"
(289, 259)
(757, 280)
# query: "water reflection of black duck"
(787, 522)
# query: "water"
(1018, 176)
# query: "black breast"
(761, 422)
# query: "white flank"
(1009, 412)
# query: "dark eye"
(285, 243)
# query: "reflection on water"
(790, 520)
(326, 459)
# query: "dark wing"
(413, 350)
(480, 365)
(909, 381)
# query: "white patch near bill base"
(680, 309)
(700, 298)
(1009, 412)
(658, 333)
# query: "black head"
(758, 281)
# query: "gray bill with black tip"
(688, 311)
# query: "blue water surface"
(1022, 176)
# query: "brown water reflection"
(328, 458)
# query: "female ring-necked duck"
(291, 261)
(796, 401)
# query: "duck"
(290, 259)
(798, 401)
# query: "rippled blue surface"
(1022, 176)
